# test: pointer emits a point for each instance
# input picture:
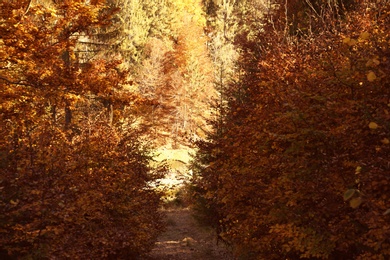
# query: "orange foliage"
(308, 120)
(81, 191)
(179, 77)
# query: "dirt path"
(185, 239)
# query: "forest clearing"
(195, 129)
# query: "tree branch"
(13, 82)
(28, 7)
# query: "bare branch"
(28, 7)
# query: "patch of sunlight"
(177, 160)
(168, 153)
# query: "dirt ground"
(185, 239)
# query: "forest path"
(186, 239)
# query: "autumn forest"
(284, 103)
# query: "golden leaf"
(364, 36)
(352, 42)
(349, 194)
(14, 202)
(371, 76)
(373, 125)
(356, 202)
(385, 141)
(372, 62)
(346, 40)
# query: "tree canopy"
(298, 168)
(286, 102)
(75, 175)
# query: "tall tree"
(68, 192)
(176, 72)
(299, 170)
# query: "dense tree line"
(298, 163)
(292, 95)
(75, 175)
(88, 89)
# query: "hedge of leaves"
(300, 166)
(75, 176)
(88, 198)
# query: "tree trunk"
(54, 113)
(110, 113)
(68, 117)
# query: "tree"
(305, 119)
(75, 182)
(176, 73)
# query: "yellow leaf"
(385, 141)
(372, 62)
(53, 12)
(346, 40)
(358, 169)
(364, 36)
(376, 61)
(373, 125)
(352, 42)
(371, 76)
(355, 202)
(39, 12)
(35, 192)
(349, 194)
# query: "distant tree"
(176, 74)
